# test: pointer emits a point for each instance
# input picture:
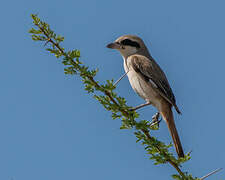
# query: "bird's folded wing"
(152, 73)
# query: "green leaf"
(177, 177)
(105, 93)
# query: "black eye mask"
(128, 42)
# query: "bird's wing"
(152, 73)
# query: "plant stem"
(107, 93)
(168, 160)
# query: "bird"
(149, 81)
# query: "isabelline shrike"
(148, 81)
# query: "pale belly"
(137, 85)
(143, 88)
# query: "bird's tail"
(167, 115)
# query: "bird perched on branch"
(149, 81)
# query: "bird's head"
(128, 45)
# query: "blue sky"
(51, 129)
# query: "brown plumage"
(167, 115)
(152, 73)
(149, 81)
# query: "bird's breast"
(142, 87)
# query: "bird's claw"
(155, 119)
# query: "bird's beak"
(113, 46)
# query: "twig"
(211, 173)
(168, 160)
(140, 106)
(90, 77)
(120, 78)
(107, 93)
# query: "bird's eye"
(128, 42)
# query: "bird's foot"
(154, 124)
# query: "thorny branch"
(157, 149)
(211, 173)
